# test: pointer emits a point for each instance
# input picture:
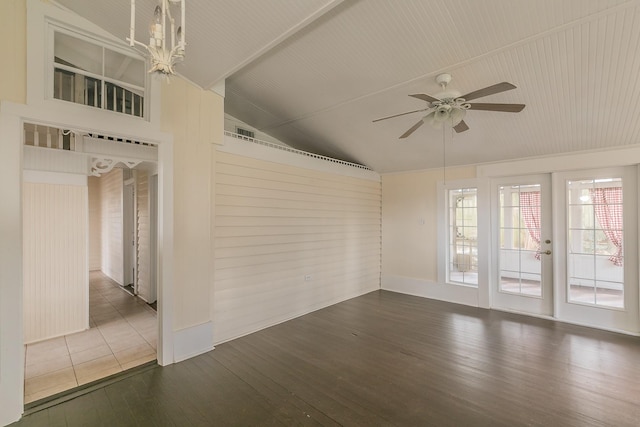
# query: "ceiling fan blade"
(507, 108)
(490, 90)
(412, 129)
(425, 97)
(401, 114)
(461, 127)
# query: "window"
(595, 264)
(462, 236)
(520, 229)
(245, 132)
(90, 74)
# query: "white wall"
(410, 234)
(275, 226)
(56, 290)
(195, 119)
(13, 45)
(95, 223)
(111, 216)
(410, 221)
(11, 330)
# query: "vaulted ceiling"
(316, 73)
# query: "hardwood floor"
(384, 359)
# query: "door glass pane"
(463, 236)
(595, 250)
(520, 231)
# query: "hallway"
(122, 335)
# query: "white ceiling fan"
(450, 108)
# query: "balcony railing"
(71, 85)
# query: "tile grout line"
(102, 285)
(73, 366)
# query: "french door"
(572, 256)
(522, 278)
(597, 233)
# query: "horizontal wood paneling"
(55, 260)
(264, 191)
(277, 224)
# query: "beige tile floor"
(122, 335)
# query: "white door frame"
(12, 118)
(130, 233)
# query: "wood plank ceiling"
(315, 73)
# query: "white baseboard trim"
(192, 341)
(292, 316)
(568, 321)
(466, 295)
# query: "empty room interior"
(320, 212)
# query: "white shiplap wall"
(95, 224)
(275, 224)
(143, 259)
(112, 253)
(55, 260)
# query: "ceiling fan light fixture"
(446, 113)
(457, 114)
(450, 107)
(442, 113)
(430, 120)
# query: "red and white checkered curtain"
(607, 204)
(530, 211)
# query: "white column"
(11, 339)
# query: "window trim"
(42, 18)
(483, 241)
(446, 242)
(50, 65)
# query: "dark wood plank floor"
(383, 359)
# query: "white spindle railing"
(96, 91)
(293, 150)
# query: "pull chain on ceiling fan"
(450, 107)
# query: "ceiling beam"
(328, 7)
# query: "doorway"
(563, 256)
(123, 329)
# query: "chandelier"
(163, 53)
